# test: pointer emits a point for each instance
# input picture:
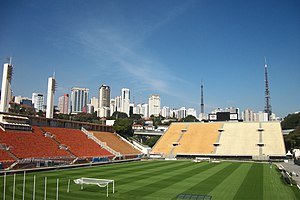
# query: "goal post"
(94, 181)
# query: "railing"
(102, 144)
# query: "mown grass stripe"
(171, 178)
(228, 188)
(153, 173)
(252, 186)
(273, 182)
(208, 184)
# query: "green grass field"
(162, 180)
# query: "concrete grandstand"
(240, 140)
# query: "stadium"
(47, 158)
(224, 160)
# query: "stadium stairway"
(170, 154)
(101, 143)
(61, 146)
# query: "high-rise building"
(248, 115)
(50, 97)
(165, 112)
(118, 101)
(112, 106)
(79, 99)
(137, 109)
(38, 101)
(125, 101)
(94, 104)
(6, 87)
(145, 110)
(63, 104)
(182, 113)
(154, 105)
(104, 101)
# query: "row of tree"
(292, 140)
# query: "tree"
(291, 121)
(135, 117)
(117, 115)
(189, 118)
(123, 127)
(152, 141)
(292, 140)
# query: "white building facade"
(154, 105)
(38, 101)
(125, 103)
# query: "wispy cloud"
(120, 55)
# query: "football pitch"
(158, 180)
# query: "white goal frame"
(95, 181)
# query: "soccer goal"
(94, 181)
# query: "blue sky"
(158, 47)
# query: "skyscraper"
(125, 103)
(38, 101)
(154, 105)
(104, 101)
(79, 99)
(118, 101)
(63, 104)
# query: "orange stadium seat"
(116, 143)
(77, 142)
(33, 144)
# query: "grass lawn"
(161, 180)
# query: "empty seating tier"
(5, 157)
(27, 144)
(116, 143)
(198, 139)
(225, 139)
(239, 139)
(77, 142)
(272, 137)
(169, 139)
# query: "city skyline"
(163, 48)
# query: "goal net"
(95, 181)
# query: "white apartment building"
(63, 104)
(182, 113)
(118, 101)
(112, 106)
(137, 109)
(145, 110)
(38, 101)
(154, 105)
(248, 115)
(165, 112)
(125, 101)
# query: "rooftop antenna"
(268, 109)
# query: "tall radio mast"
(268, 109)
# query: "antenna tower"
(202, 99)
(268, 109)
